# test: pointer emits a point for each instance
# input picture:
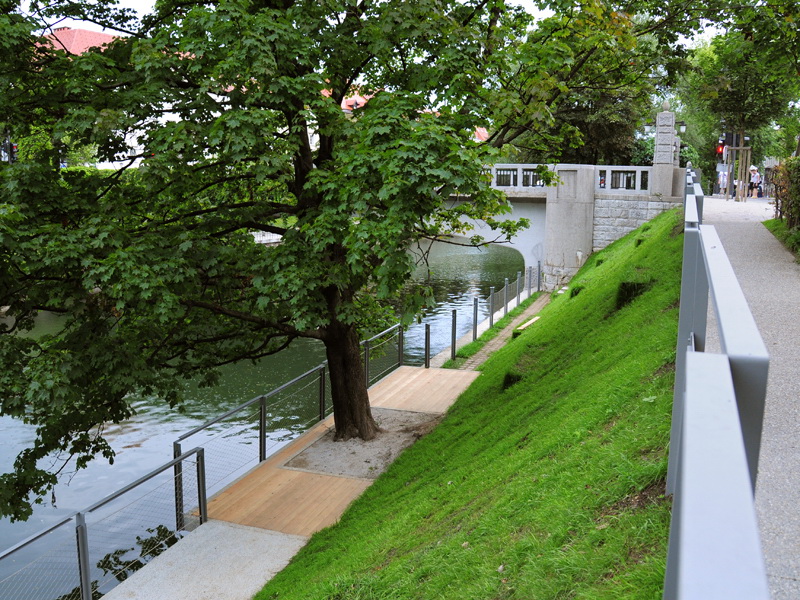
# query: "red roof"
(78, 41)
(481, 135)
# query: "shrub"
(787, 192)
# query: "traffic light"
(720, 148)
(12, 155)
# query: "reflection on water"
(458, 274)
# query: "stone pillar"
(569, 224)
(664, 155)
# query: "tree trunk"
(351, 412)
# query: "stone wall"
(617, 215)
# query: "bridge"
(590, 207)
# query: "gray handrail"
(141, 480)
(381, 334)
(714, 548)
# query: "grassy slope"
(545, 480)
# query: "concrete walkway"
(770, 280)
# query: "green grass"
(545, 480)
(788, 237)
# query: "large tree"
(237, 105)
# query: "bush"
(787, 192)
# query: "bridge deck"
(277, 498)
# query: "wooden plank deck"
(301, 503)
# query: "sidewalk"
(770, 280)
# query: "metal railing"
(510, 293)
(623, 179)
(516, 176)
(54, 566)
(714, 548)
(442, 331)
(49, 565)
(614, 179)
(270, 420)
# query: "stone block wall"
(615, 216)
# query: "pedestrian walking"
(755, 181)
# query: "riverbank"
(546, 477)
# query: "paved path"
(502, 337)
(496, 342)
(770, 280)
(262, 520)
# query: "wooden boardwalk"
(301, 502)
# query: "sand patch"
(366, 460)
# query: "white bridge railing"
(607, 179)
(714, 548)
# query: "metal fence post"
(202, 498)
(400, 341)
(519, 275)
(83, 556)
(322, 392)
(180, 522)
(474, 318)
(539, 276)
(491, 306)
(505, 297)
(262, 430)
(453, 338)
(427, 345)
(366, 362)
(529, 277)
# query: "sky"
(143, 6)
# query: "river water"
(143, 443)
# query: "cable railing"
(86, 554)
(718, 409)
(121, 533)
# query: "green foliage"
(786, 179)
(546, 478)
(739, 80)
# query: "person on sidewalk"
(755, 181)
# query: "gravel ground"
(770, 280)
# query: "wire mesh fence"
(44, 569)
(89, 553)
(238, 440)
(443, 329)
(118, 536)
(383, 353)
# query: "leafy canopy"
(225, 118)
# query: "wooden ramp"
(301, 502)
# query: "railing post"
(82, 537)
(262, 430)
(366, 362)
(491, 307)
(202, 498)
(519, 275)
(474, 318)
(322, 392)
(453, 337)
(427, 345)
(400, 341)
(180, 520)
(539, 276)
(505, 297)
(530, 281)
